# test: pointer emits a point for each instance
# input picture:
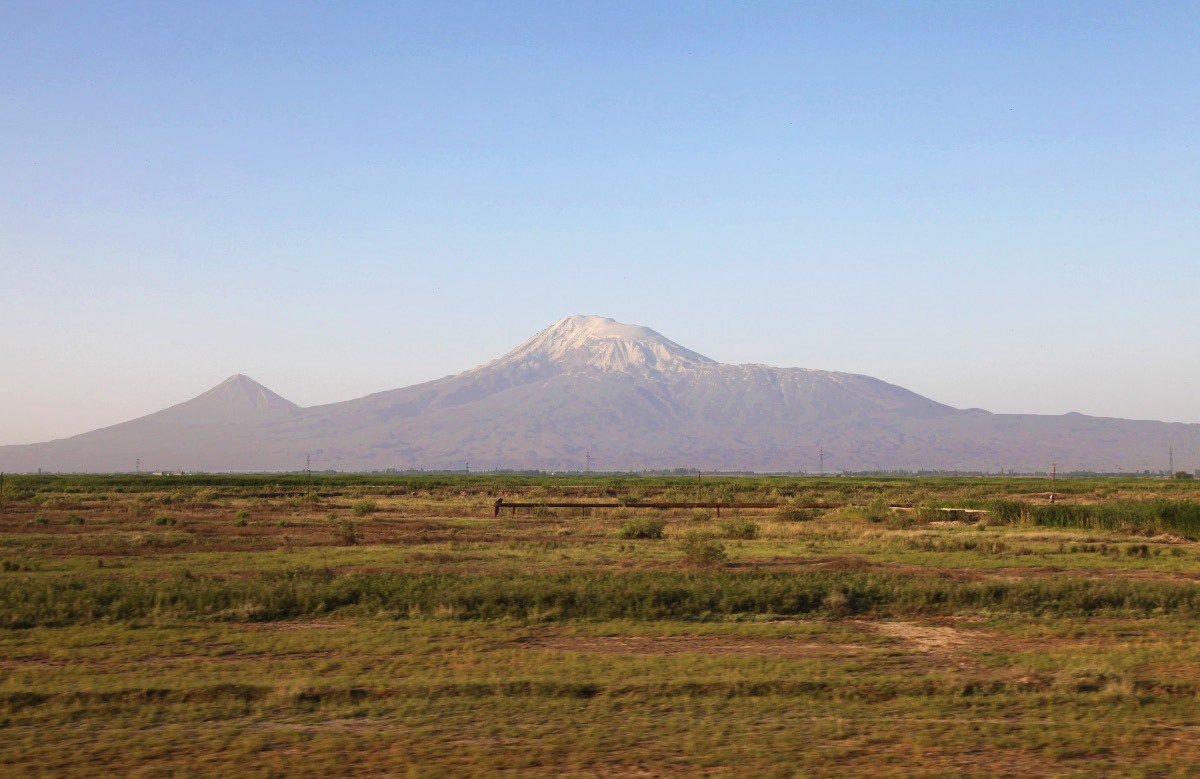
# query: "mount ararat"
(629, 396)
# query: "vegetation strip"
(314, 696)
(699, 595)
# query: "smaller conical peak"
(601, 343)
(243, 390)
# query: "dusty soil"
(938, 639)
(751, 646)
(929, 639)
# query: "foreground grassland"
(252, 626)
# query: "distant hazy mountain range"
(627, 395)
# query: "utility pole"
(467, 466)
(822, 462)
(1053, 476)
(698, 493)
(308, 481)
(587, 459)
(1171, 469)
(1, 492)
(137, 465)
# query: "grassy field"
(260, 627)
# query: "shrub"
(18, 495)
(878, 511)
(240, 521)
(347, 532)
(363, 508)
(739, 527)
(41, 519)
(74, 519)
(793, 514)
(642, 527)
(701, 548)
(243, 515)
(164, 520)
(309, 501)
(837, 602)
(702, 516)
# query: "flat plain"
(267, 626)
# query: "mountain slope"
(629, 396)
(213, 427)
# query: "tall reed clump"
(1181, 517)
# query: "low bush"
(878, 511)
(701, 548)
(642, 527)
(363, 508)
(164, 520)
(795, 514)
(739, 527)
(347, 533)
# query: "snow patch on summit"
(606, 345)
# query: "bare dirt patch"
(747, 646)
(287, 627)
(936, 639)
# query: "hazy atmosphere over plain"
(992, 205)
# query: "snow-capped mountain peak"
(606, 345)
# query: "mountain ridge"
(628, 395)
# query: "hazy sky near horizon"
(992, 204)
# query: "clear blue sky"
(992, 204)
